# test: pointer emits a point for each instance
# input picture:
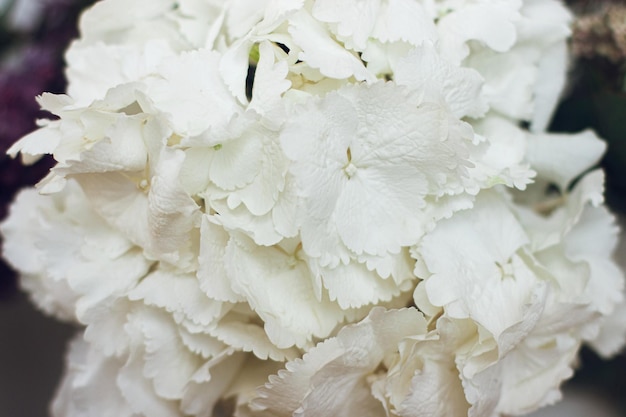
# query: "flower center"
(506, 269)
(350, 169)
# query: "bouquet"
(317, 208)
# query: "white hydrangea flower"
(558, 289)
(90, 384)
(278, 286)
(423, 379)
(79, 262)
(251, 193)
(268, 22)
(424, 71)
(533, 36)
(335, 376)
(380, 31)
(242, 175)
(491, 24)
(142, 20)
(320, 51)
(190, 92)
(96, 68)
(372, 148)
(357, 23)
(505, 153)
(483, 273)
(612, 333)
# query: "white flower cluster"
(317, 208)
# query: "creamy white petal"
(103, 324)
(353, 20)
(551, 81)
(165, 362)
(121, 148)
(424, 70)
(480, 272)
(384, 172)
(40, 142)
(261, 229)
(321, 51)
(212, 277)
(253, 22)
(105, 17)
(537, 368)
(270, 82)
(504, 153)
(424, 381)
(611, 338)
(278, 285)
(490, 23)
(137, 390)
(210, 382)
(89, 385)
(328, 377)
(191, 93)
(560, 158)
(94, 68)
(179, 294)
(353, 285)
(241, 330)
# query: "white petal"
(166, 362)
(489, 23)
(354, 20)
(172, 213)
(612, 336)
(352, 285)
(435, 391)
(278, 286)
(353, 164)
(105, 17)
(537, 368)
(209, 383)
(333, 374)
(192, 93)
(320, 51)
(211, 274)
(139, 392)
(121, 149)
(104, 322)
(93, 69)
(553, 66)
(560, 158)
(269, 84)
(40, 142)
(119, 202)
(240, 330)
(404, 20)
(480, 272)
(89, 385)
(425, 71)
(179, 294)
(504, 158)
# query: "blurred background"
(33, 36)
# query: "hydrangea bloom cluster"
(317, 208)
